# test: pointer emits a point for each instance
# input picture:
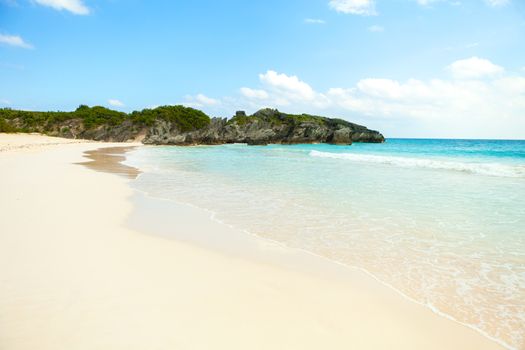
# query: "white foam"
(491, 169)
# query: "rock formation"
(178, 125)
(267, 126)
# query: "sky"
(408, 68)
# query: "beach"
(75, 273)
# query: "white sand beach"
(74, 276)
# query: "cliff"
(178, 125)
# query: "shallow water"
(442, 221)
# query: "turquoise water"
(442, 221)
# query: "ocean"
(440, 221)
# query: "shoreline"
(307, 259)
(316, 262)
(110, 160)
(247, 286)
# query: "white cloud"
(200, 100)
(115, 103)
(376, 29)
(14, 40)
(74, 6)
(290, 86)
(511, 84)
(205, 100)
(474, 67)
(254, 93)
(483, 106)
(496, 3)
(314, 21)
(3, 101)
(383, 88)
(354, 7)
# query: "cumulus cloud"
(14, 40)
(485, 105)
(290, 87)
(254, 93)
(354, 7)
(314, 21)
(205, 100)
(74, 6)
(200, 100)
(474, 67)
(511, 85)
(115, 103)
(4, 101)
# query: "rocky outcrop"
(342, 136)
(177, 125)
(267, 126)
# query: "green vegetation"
(304, 118)
(240, 119)
(274, 117)
(93, 117)
(184, 118)
(86, 118)
(5, 127)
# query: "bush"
(184, 118)
(274, 117)
(93, 117)
(5, 126)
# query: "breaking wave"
(490, 169)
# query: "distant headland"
(179, 125)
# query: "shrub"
(184, 118)
(5, 126)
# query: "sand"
(74, 275)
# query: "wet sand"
(76, 274)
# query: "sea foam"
(490, 169)
(421, 216)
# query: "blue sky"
(410, 68)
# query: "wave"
(490, 169)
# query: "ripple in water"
(430, 223)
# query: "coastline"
(247, 245)
(78, 274)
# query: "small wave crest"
(490, 169)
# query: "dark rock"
(252, 142)
(342, 136)
(266, 126)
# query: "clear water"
(442, 221)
